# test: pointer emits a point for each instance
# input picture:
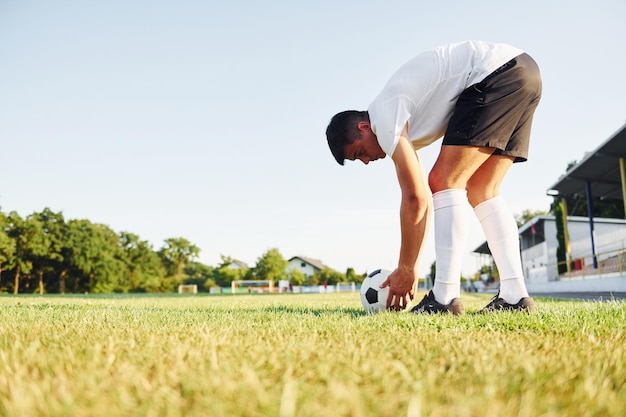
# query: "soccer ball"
(374, 298)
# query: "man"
(481, 98)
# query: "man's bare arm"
(415, 209)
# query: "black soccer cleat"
(526, 304)
(429, 305)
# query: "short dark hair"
(342, 130)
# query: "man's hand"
(402, 284)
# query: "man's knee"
(439, 180)
(478, 192)
(434, 182)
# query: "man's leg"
(499, 226)
(448, 181)
(502, 236)
(494, 114)
(450, 210)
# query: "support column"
(591, 228)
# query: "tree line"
(45, 253)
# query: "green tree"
(7, 247)
(208, 284)
(312, 280)
(229, 270)
(352, 276)
(297, 277)
(78, 254)
(528, 215)
(94, 257)
(177, 253)
(271, 266)
(70, 241)
(108, 268)
(51, 259)
(29, 244)
(199, 274)
(143, 268)
(561, 255)
(198, 270)
(330, 276)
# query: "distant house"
(238, 265)
(307, 266)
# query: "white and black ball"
(373, 297)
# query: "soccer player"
(480, 97)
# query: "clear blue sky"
(204, 121)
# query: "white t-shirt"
(424, 91)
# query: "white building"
(539, 245)
(307, 266)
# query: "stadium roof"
(601, 168)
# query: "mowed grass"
(305, 355)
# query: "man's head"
(350, 136)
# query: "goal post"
(253, 285)
(188, 289)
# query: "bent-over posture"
(480, 97)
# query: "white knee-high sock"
(451, 229)
(502, 235)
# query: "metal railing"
(611, 262)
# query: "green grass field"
(305, 355)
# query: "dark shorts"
(498, 111)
